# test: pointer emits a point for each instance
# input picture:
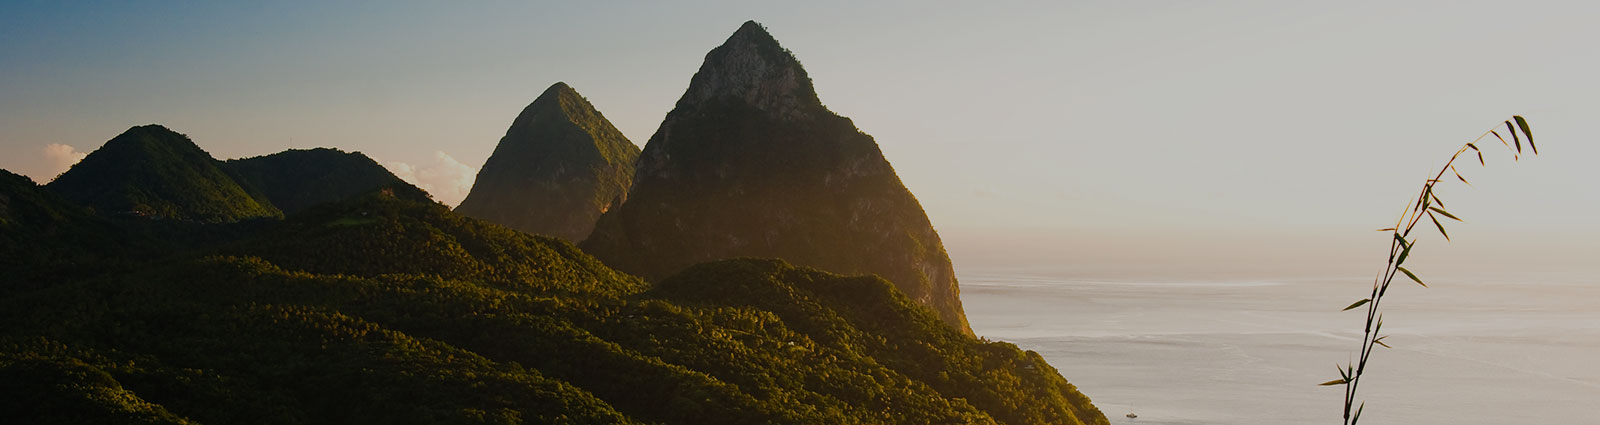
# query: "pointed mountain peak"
(753, 32)
(560, 165)
(562, 101)
(558, 90)
(750, 164)
(753, 69)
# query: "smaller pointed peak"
(560, 98)
(560, 87)
(559, 92)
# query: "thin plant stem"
(1427, 203)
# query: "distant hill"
(151, 171)
(316, 319)
(751, 164)
(559, 166)
(297, 179)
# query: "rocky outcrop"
(751, 164)
(559, 166)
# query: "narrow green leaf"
(1446, 214)
(1403, 243)
(1480, 160)
(1502, 139)
(1357, 417)
(1413, 277)
(1357, 304)
(1403, 254)
(1439, 225)
(1379, 341)
(1458, 176)
(1526, 132)
(1514, 137)
(1334, 382)
(1387, 229)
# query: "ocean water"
(1219, 350)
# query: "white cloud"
(56, 159)
(447, 179)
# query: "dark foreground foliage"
(391, 309)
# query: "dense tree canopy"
(389, 308)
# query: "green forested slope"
(151, 171)
(316, 320)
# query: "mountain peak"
(753, 69)
(151, 133)
(150, 128)
(750, 164)
(559, 166)
(754, 32)
(153, 171)
(559, 89)
(560, 101)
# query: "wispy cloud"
(447, 179)
(54, 159)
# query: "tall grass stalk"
(1426, 204)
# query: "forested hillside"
(389, 308)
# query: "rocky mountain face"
(751, 164)
(151, 171)
(297, 179)
(559, 166)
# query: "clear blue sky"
(1136, 131)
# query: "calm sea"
(1216, 350)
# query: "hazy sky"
(1221, 132)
